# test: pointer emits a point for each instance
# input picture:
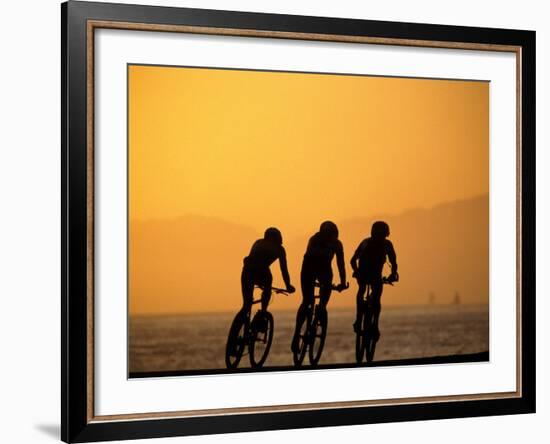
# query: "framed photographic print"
(275, 221)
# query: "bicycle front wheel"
(371, 340)
(318, 334)
(302, 340)
(361, 338)
(261, 338)
(236, 341)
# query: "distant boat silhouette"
(456, 299)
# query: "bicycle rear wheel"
(261, 338)
(299, 353)
(236, 340)
(318, 334)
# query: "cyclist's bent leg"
(359, 302)
(375, 304)
(325, 281)
(302, 312)
(307, 282)
(324, 295)
(247, 288)
(267, 280)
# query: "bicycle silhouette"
(255, 335)
(367, 333)
(312, 331)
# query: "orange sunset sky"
(216, 156)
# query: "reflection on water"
(197, 341)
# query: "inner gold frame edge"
(96, 24)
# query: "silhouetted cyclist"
(317, 266)
(256, 267)
(367, 263)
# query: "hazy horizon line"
(293, 310)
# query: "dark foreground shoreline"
(451, 359)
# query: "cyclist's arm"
(355, 258)
(392, 258)
(284, 267)
(341, 263)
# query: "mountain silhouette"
(193, 263)
(440, 250)
(444, 249)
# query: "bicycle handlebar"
(334, 287)
(387, 280)
(276, 290)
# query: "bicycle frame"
(275, 290)
(364, 342)
(313, 317)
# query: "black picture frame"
(77, 424)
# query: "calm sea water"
(193, 342)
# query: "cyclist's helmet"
(380, 230)
(329, 230)
(274, 235)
